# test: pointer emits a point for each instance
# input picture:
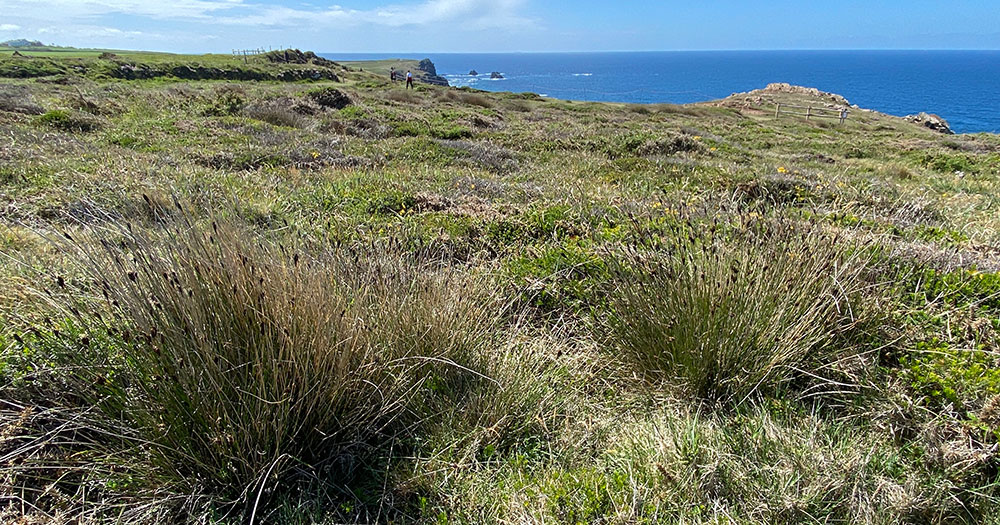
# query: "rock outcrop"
(766, 99)
(430, 75)
(931, 122)
(496, 75)
(473, 73)
(294, 56)
(427, 66)
(782, 87)
(196, 72)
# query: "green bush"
(561, 278)
(726, 315)
(69, 120)
(227, 100)
(964, 378)
(407, 128)
(451, 132)
(946, 162)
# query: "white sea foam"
(583, 74)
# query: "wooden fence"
(810, 112)
(250, 52)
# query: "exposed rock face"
(473, 73)
(331, 98)
(427, 66)
(195, 72)
(430, 75)
(294, 56)
(932, 122)
(759, 99)
(496, 75)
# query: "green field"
(327, 301)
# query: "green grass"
(443, 305)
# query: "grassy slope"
(540, 195)
(37, 61)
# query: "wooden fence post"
(809, 113)
(777, 111)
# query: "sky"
(440, 26)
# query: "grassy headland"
(300, 298)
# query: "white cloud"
(75, 9)
(9, 27)
(88, 32)
(189, 24)
(471, 14)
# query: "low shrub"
(226, 100)
(729, 314)
(646, 144)
(450, 132)
(330, 98)
(69, 120)
(406, 128)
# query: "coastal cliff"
(430, 75)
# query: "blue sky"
(504, 25)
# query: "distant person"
(409, 80)
(392, 74)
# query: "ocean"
(961, 86)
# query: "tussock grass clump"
(726, 314)
(276, 116)
(246, 359)
(405, 97)
(461, 97)
(484, 154)
(522, 106)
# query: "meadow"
(341, 301)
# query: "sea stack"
(473, 73)
(496, 75)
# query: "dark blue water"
(961, 86)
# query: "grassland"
(259, 301)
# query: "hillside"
(237, 292)
(21, 42)
(290, 65)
